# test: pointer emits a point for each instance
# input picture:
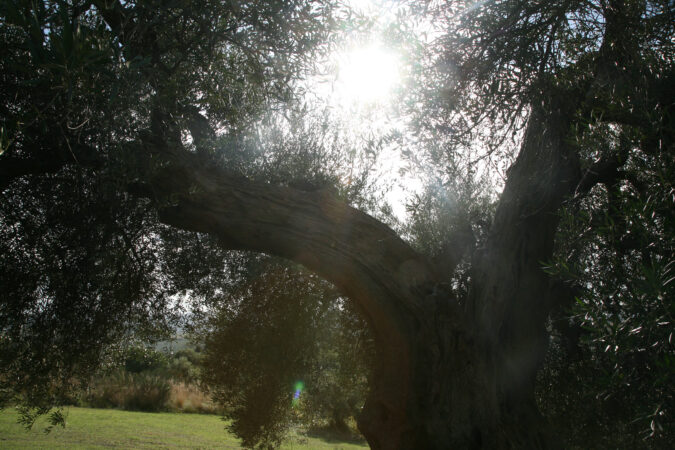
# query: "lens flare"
(298, 387)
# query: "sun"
(367, 75)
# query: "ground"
(106, 428)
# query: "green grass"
(105, 428)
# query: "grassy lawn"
(99, 428)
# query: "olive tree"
(133, 98)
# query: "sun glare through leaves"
(366, 75)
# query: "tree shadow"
(334, 435)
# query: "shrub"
(131, 391)
(139, 359)
(147, 392)
(107, 392)
(190, 399)
(181, 368)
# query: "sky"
(361, 90)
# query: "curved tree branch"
(364, 258)
(13, 168)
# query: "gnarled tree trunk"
(431, 385)
(510, 292)
(445, 377)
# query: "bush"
(147, 393)
(189, 398)
(107, 392)
(181, 368)
(142, 359)
(131, 391)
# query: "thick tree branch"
(12, 168)
(510, 290)
(607, 169)
(604, 171)
(364, 258)
(360, 255)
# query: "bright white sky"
(369, 70)
(360, 91)
(367, 75)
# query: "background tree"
(282, 328)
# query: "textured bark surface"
(445, 376)
(510, 291)
(431, 384)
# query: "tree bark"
(444, 378)
(429, 387)
(509, 300)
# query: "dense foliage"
(283, 348)
(93, 93)
(82, 259)
(609, 372)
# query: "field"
(106, 428)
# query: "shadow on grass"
(333, 435)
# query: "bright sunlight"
(367, 75)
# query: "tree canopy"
(142, 141)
